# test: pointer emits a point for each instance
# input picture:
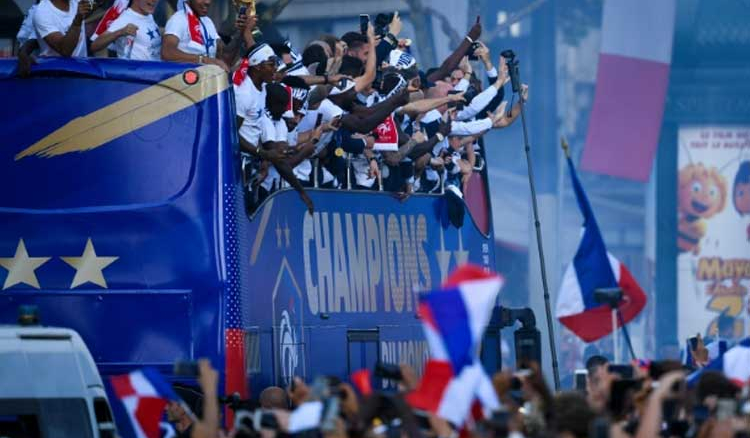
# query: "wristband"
(440, 137)
(325, 78)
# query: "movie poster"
(713, 230)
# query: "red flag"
(240, 74)
(194, 26)
(361, 379)
(109, 16)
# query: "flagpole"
(516, 86)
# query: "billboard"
(713, 230)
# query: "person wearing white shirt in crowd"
(270, 141)
(190, 36)
(250, 95)
(59, 27)
(137, 34)
(26, 32)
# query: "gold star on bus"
(21, 267)
(89, 266)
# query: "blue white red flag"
(109, 16)
(454, 320)
(735, 364)
(594, 268)
(138, 400)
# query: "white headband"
(261, 54)
(336, 90)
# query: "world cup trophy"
(247, 8)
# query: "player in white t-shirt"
(250, 95)
(190, 36)
(136, 34)
(271, 142)
(59, 27)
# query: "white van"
(49, 386)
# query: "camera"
(474, 46)
(610, 296)
(512, 63)
(388, 371)
(364, 21)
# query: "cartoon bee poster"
(713, 231)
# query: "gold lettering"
(384, 253)
(409, 262)
(395, 261)
(323, 256)
(373, 255)
(424, 262)
(357, 248)
(340, 271)
(308, 234)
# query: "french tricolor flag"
(138, 400)
(109, 16)
(594, 268)
(454, 320)
(735, 364)
(631, 86)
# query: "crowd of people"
(643, 400)
(354, 112)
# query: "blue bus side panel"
(147, 199)
(340, 288)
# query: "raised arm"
(363, 82)
(452, 61)
(242, 36)
(377, 113)
(414, 109)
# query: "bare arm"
(378, 113)
(244, 26)
(363, 82)
(66, 44)
(25, 59)
(414, 109)
(208, 426)
(452, 61)
(107, 38)
(170, 52)
(271, 152)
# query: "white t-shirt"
(178, 26)
(272, 130)
(48, 20)
(251, 104)
(146, 45)
(26, 32)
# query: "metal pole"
(315, 172)
(348, 171)
(615, 340)
(542, 267)
(380, 178)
